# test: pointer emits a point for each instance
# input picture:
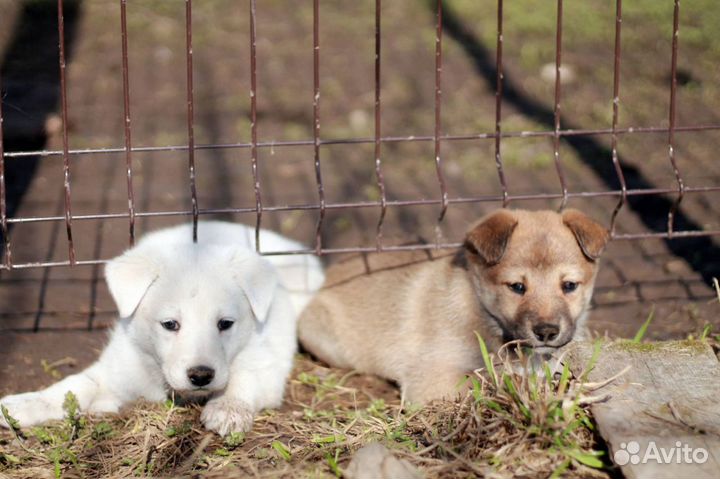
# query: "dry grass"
(506, 425)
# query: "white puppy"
(212, 318)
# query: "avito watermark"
(630, 453)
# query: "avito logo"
(630, 453)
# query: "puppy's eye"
(170, 325)
(517, 288)
(569, 286)
(225, 324)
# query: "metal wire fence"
(443, 200)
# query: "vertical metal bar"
(66, 153)
(671, 126)
(378, 129)
(7, 261)
(498, 103)
(190, 117)
(253, 125)
(128, 136)
(616, 112)
(558, 91)
(316, 123)
(438, 104)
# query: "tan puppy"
(411, 316)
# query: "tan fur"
(411, 316)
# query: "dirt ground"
(53, 321)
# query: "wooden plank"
(663, 416)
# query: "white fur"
(166, 277)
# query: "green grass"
(545, 408)
(539, 422)
(535, 424)
(643, 329)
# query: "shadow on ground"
(30, 94)
(31, 88)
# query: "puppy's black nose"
(200, 375)
(545, 332)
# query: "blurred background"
(59, 314)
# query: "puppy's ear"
(128, 277)
(258, 280)
(590, 235)
(489, 238)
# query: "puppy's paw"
(29, 409)
(225, 415)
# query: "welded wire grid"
(443, 200)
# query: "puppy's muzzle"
(549, 330)
(200, 376)
(545, 332)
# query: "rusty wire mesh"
(443, 200)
